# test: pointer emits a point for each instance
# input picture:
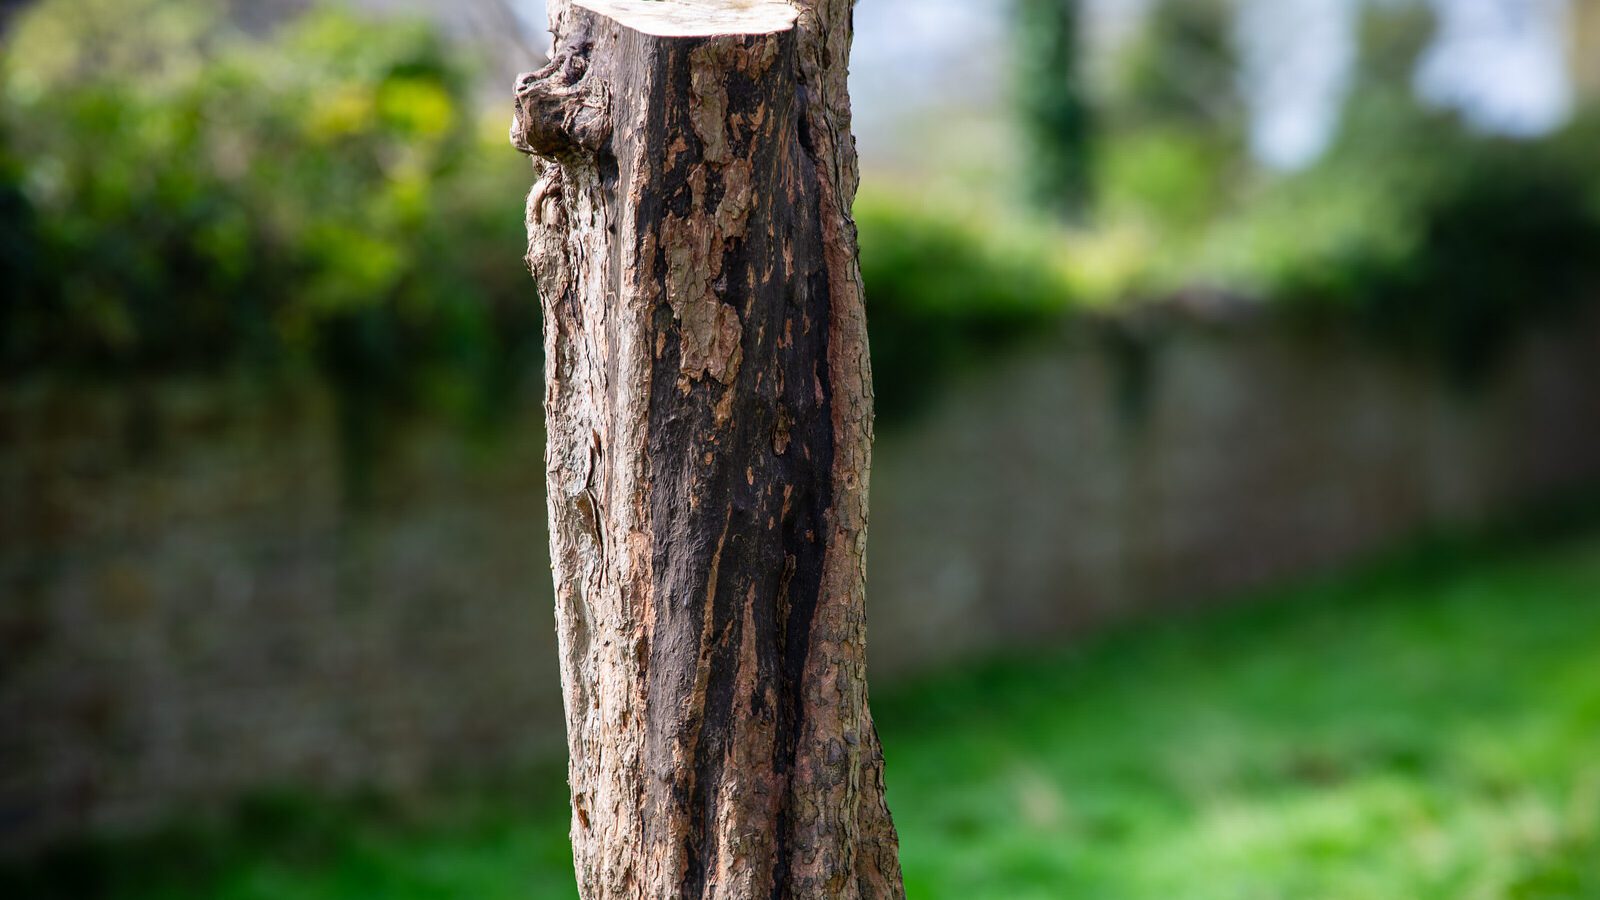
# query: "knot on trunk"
(561, 111)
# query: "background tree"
(1182, 68)
(1173, 120)
(1052, 104)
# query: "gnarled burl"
(710, 421)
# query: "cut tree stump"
(709, 408)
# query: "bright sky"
(1501, 62)
(1297, 57)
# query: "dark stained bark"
(709, 409)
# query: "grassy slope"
(1426, 730)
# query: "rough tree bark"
(710, 421)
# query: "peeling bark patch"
(733, 211)
(708, 98)
(709, 329)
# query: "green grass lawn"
(1427, 729)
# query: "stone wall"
(192, 606)
(1048, 495)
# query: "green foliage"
(1425, 729)
(1170, 178)
(946, 289)
(1500, 239)
(177, 196)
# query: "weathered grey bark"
(710, 419)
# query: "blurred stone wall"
(1060, 490)
(193, 606)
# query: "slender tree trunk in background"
(710, 420)
(1050, 96)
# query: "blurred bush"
(178, 196)
(1440, 241)
(1436, 241)
(948, 286)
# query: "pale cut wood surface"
(696, 18)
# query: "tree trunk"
(710, 420)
